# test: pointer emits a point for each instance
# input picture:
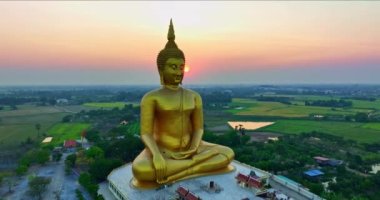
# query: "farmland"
(296, 110)
(17, 125)
(65, 131)
(295, 118)
(107, 105)
(361, 132)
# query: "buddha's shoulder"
(192, 92)
(152, 94)
(157, 93)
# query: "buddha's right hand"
(160, 166)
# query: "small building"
(321, 160)
(274, 139)
(124, 122)
(47, 140)
(241, 179)
(334, 163)
(69, 144)
(251, 181)
(62, 101)
(185, 194)
(191, 196)
(313, 174)
(327, 161)
(254, 182)
(182, 192)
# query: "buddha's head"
(171, 61)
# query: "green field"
(294, 117)
(263, 108)
(65, 131)
(361, 132)
(17, 125)
(108, 104)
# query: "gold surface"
(153, 185)
(172, 130)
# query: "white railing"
(296, 188)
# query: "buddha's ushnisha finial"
(171, 37)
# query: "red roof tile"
(242, 177)
(252, 182)
(182, 191)
(70, 143)
(191, 196)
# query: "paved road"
(55, 170)
(61, 186)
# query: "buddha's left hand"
(183, 154)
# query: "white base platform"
(119, 181)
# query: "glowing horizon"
(224, 42)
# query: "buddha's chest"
(175, 102)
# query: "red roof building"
(185, 194)
(252, 182)
(70, 144)
(249, 181)
(191, 196)
(242, 178)
(182, 191)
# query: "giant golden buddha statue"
(172, 129)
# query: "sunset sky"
(249, 42)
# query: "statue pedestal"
(224, 186)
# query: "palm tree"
(38, 128)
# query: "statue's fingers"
(160, 172)
(164, 174)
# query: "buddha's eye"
(174, 66)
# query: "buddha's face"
(173, 71)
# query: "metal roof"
(313, 172)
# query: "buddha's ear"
(161, 77)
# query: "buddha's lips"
(179, 77)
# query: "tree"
(67, 118)
(100, 168)
(79, 194)
(37, 186)
(42, 156)
(10, 181)
(95, 152)
(70, 162)
(361, 117)
(57, 156)
(21, 169)
(38, 128)
(87, 182)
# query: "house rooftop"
(70, 143)
(321, 158)
(47, 140)
(313, 173)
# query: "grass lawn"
(108, 104)
(65, 131)
(361, 132)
